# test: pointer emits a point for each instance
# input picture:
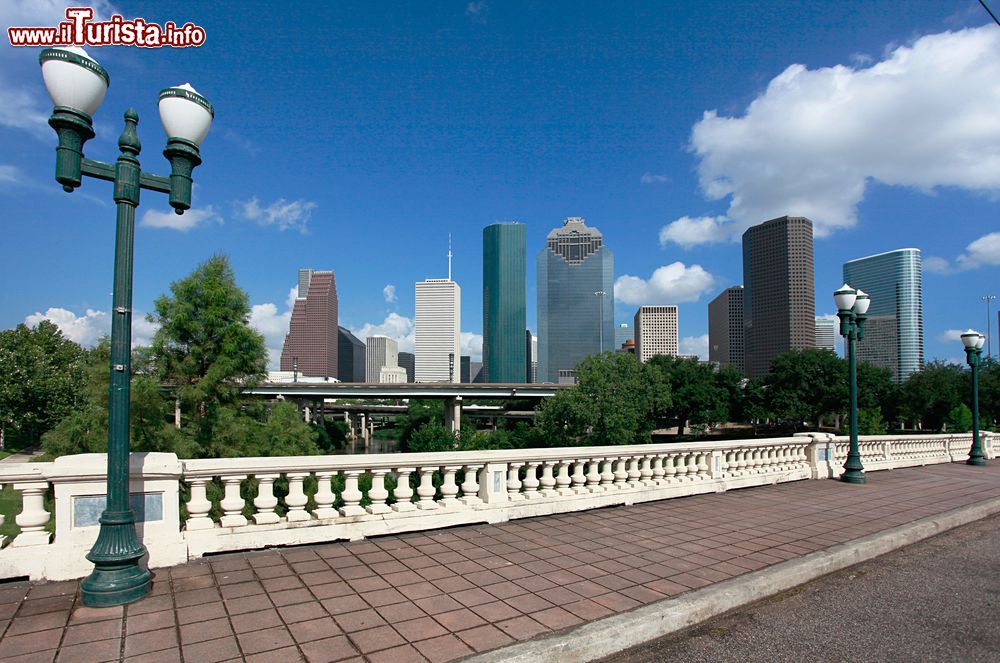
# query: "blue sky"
(356, 136)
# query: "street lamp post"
(852, 305)
(77, 85)
(973, 342)
(600, 299)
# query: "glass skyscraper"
(894, 332)
(504, 316)
(574, 266)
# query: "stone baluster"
(692, 466)
(33, 517)
(199, 506)
(703, 465)
(403, 492)
(562, 479)
(548, 480)
(232, 503)
(594, 476)
(351, 494)
(531, 480)
(378, 493)
(741, 462)
(514, 481)
(670, 468)
(621, 473)
(470, 486)
(658, 471)
(579, 477)
(325, 497)
(728, 462)
(681, 467)
(608, 475)
(426, 490)
(265, 500)
(296, 499)
(449, 489)
(632, 467)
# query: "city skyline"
(669, 149)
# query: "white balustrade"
(449, 489)
(296, 499)
(470, 487)
(198, 507)
(531, 482)
(403, 492)
(426, 489)
(548, 480)
(232, 503)
(514, 482)
(378, 493)
(265, 502)
(351, 494)
(33, 517)
(325, 496)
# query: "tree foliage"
(700, 395)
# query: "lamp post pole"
(973, 342)
(77, 85)
(989, 336)
(851, 308)
(600, 302)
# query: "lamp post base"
(853, 476)
(117, 578)
(976, 460)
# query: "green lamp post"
(77, 85)
(852, 305)
(973, 342)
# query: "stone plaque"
(87, 509)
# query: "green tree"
(806, 385)
(700, 396)
(989, 393)
(929, 396)
(40, 377)
(959, 419)
(205, 347)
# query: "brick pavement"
(443, 595)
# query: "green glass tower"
(504, 302)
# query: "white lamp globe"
(844, 297)
(74, 79)
(970, 338)
(185, 114)
(862, 302)
(980, 342)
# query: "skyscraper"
(350, 357)
(504, 302)
(575, 296)
(655, 331)
(826, 333)
(407, 362)
(894, 332)
(779, 305)
(311, 343)
(623, 333)
(437, 325)
(380, 352)
(725, 328)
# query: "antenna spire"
(449, 256)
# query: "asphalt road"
(936, 600)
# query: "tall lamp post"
(77, 85)
(600, 302)
(973, 342)
(852, 305)
(989, 336)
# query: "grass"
(10, 506)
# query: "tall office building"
(350, 357)
(380, 352)
(894, 332)
(437, 325)
(826, 333)
(623, 333)
(407, 362)
(573, 268)
(655, 331)
(311, 343)
(779, 305)
(504, 316)
(725, 328)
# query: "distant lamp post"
(600, 294)
(989, 335)
(973, 342)
(852, 305)
(77, 85)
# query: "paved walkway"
(439, 596)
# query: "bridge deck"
(445, 595)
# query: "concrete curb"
(613, 634)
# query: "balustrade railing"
(186, 508)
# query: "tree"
(40, 375)
(806, 385)
(700, 396)
(928, 396)
(205, 346)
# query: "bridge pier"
(453, 414)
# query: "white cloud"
(9, 174)
(652, 178)
(983, 252)
(694, 345)
(283, 213)
(273, 325)
(389, 293)
(670, 284)
(154, 218)
(88, 328)
(936, 265)
(472, 345)
(923, 117)
(690, 231)
(394, 326)
(950, 336)
(478, 10)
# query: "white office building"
(655, 331)
(826, 333)
(392, 375)
(380, 352)
(437, 331)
